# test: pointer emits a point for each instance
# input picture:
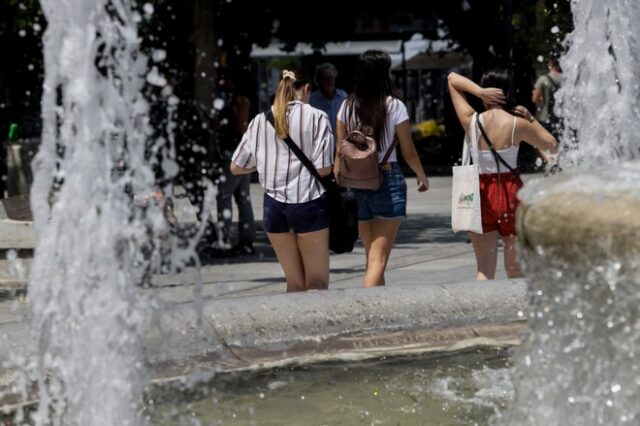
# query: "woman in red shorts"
(505, 125)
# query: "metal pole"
(404, 73)
(509, 30)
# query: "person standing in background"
(327, 97)
(234, 119)
(543, 94)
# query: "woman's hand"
(492, 96)
(523, 112)
(423, 185)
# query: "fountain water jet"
(94, 244)
(579, 236)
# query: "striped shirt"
(281, 174)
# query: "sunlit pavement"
(427, 252)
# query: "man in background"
(234, 118)
(543, 93)
(327, 97)
(543, 96)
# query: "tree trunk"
(206, 50)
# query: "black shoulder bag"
(341, 202)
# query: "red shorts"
(498, 202)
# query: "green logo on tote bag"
(466, 198)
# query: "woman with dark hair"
(505, 125)
(373, 109)
(295, 216)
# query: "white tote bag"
(465, 192)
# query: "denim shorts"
(299, 218)
(387, 202)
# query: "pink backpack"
(359, 166)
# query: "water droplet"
(148, 9)
(555, 30)
(571, 400)
(616, 388)
(218, 104)
(579, 315)
(609, 403)
(159, 55)
(261, 395)
(520, 314)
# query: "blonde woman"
(295, 216)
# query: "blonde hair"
(285, 93)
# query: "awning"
(442, 60)
(419, 53)
(342, 48)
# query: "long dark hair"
(368, 103)
(500, 79)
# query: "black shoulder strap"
(493, 151)
(296, 150)
(554, 85)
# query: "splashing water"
(579, 361)
(600, 97)
(95, 245)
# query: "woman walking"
(295, 216)
(505, 125)
(373, 108)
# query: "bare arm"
(532, 132)
(237, 170)
(408, 149)
(536, 96)
(341, 133)
(324, 171)
(458, 86)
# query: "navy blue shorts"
(387, 202)
(298, 218)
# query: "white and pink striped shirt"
(281, 174)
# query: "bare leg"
(378, 237)
(511, 265)
(286, 248)
(485, 247)
(314, 250)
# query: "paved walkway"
(426, 252)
